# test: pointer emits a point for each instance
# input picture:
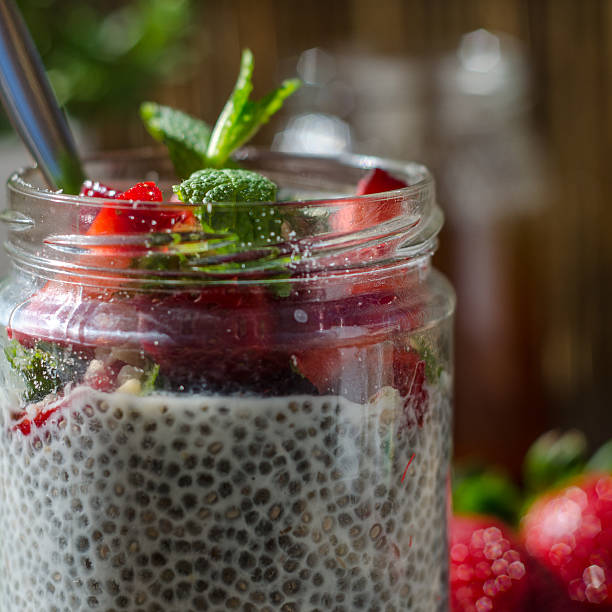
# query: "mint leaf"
(228, 185)
(486, 492)
(601, 461)
(191, 144)
(433, 368)
(37, 368)
(185, 136)
(241, 118)
(229, 226)
(249, 226)
(230, 114)
(149, 384)
(553, 458)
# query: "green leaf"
(252, 226)
(433, 368)
(553, 458)
(486, 492)
(601, 461)
(228, 227)
(37, 368)
(227, 185)
(185, 136)
(230, 114)
(241, 117)
(149, 384)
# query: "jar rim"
(416, 175)
(329, 233)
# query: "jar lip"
(416, 175)
(326, 234)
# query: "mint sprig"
(241, 118)
(252, 226)
(433, 367)
(478, 490)
(45, 368)
(185, 136)
(149, 384)
(191, 143)
(38, 369)
(601, 461)
(227, 185)
(226, 228)
(553, 458)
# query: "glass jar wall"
(189, 425)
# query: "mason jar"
(188, 426)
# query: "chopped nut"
(128, 372)
(131, 385)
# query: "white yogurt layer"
(214, 503)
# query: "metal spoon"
(31, 105)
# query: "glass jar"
(188, 424)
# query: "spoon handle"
(31, 105)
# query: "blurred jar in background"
(492, 183)
(467, 115)
(370, 104)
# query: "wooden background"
(549, 360)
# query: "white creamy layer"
(131, 502)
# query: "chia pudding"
(167, 503)
(233, 392)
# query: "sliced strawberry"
(348, 371)
(138, 219)
(217, 337)
(60, 312)
(24, 426)
(363, 213)
(321, 367)
(144, 192)
(52, 413)
(348, 345)
(378, 181)
(94, 189)
(345, 371)
(41, 417)
(112, 221)
(409, 379)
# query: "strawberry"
(350, 347)
(143, 192)
(409, 380)
(42, 416)
(183, 332)
(569, 532)
(356, 216)
(94, 189)
(52, 413)
(487, 567)
(142, 219)
(362, 213)
(56, 313)
(378, 181)
(112, 220)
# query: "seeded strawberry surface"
(378, 181)
(488, 568)
(569, 532)
(95, 189)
